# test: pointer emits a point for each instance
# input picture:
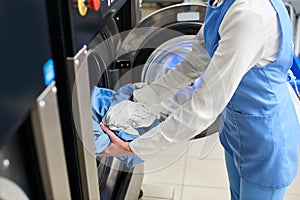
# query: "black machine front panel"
(22, 166)
(25, 49)
(25, 57)
(71, 30)
(85, 27)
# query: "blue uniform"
(260, 129)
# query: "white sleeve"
(240, 48)
(194, 64)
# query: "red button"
(94, 4)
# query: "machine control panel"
(109, 2)
(87, 18)
(106, 6)
(83, 6)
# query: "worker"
(243, 51)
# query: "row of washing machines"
(53, 53)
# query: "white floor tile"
(191, 178)
(153, 198)
(178, 192)
(169, 174)
(292, 197)
(167, 157)
(158, 191)
(203, 193)
(195, 147)
(217, 152)
(294, 188)
(206, 173)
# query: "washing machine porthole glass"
(166, 57)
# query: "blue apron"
(260, 127)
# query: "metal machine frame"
(75, 26)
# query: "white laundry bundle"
(128, 116)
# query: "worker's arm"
(239, 48)
(193, 65)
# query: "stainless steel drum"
(164, 58)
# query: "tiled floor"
(193, 171)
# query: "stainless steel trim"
(49, 145)
(135, 182)
(135, 12)
(117, 171)
(81, 107)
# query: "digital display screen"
(48, 72)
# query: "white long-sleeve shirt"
(249, 36)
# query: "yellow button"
(82, 7)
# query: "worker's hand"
(117, 147)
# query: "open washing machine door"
(116, 180)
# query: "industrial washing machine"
(80, 26)
(44, 152)
(46, 146)
(32, 159)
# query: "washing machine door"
(114, 178)
(159, 42)
(101, 54)
(102, 51)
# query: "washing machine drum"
(164, 58)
